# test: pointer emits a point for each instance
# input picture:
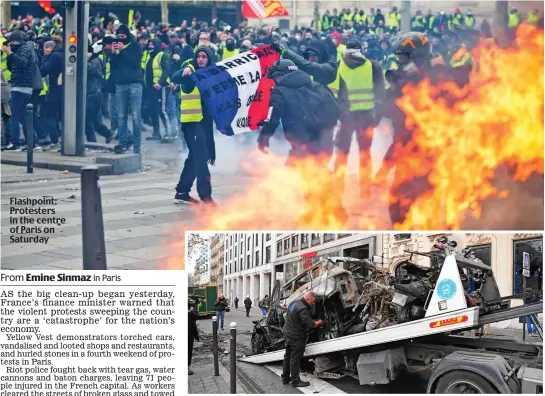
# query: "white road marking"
(317, 385)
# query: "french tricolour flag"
(237, 90)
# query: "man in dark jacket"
(126, 61)
(198, 131)
(157, 77)
(193, 333)
(306, 142)
(220, 306)
(93, 113)
(51, 68)
(21, 60)
(298, 322)
(248, 305)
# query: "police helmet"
(414, 44)
(281, 67)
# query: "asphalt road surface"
(266, 378)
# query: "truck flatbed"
(454, 320)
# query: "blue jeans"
(129, 95)
(18, 103)
(221, 318)
(172, 113)
(531, 326)
(113, 110)
(264, 311)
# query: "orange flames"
(494, 123)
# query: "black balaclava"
(124, 29)
(230, 44)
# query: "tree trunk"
(405, 16)
(214, 10)
(316, 18)
(5, 11)
(500, 22)
(164, 12)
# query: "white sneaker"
(38, 148)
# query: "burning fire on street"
(492, 128)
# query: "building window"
(248, 263)
(268, 237)
(268, 254)
(236, 237)
(314, 239)
(235, 251)
(295, 243)
(329, 237)
(230, 268)
(287, 245)
(401, 237)
(230, 255)
(343, 236)
(256, 259)
(279, 248)
(304, 241)
(535, 248)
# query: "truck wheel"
(461, 381)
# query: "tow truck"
(458, 363)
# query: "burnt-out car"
(337, 294)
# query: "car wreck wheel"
(258, 344)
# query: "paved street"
(266, 378)
(140, 220)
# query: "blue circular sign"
(446, 289)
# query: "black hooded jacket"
(21, 63)
(52, 67)
(165, 64)
(284, 105)
(95, 78)
(298, 321)
(127, 63)
(324, 72)
(187, 86)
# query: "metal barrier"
(215, 345)
(233, 356)
(30, 138)
(94, 246)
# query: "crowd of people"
(142, 68)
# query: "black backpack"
(319, 107)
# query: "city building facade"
(217, 252)
(297, 252)
(248, 265)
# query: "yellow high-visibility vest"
(145, 59)
(394, 19)
(359, 82)
(533, 18)
(348, 17)
(157, 69)
(107, 66)
(228, 54)
(43, 92)
(333, 86)
(470, 21)
(361, 18)
(461, 58)
(4, 66)
(514, 20)
(191, 108)
(340, 51)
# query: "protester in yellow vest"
(198, 131)
(462, 63)
(315, 62)
(533, 17)
(4, 64)
(144, 42)
(229, 49)
(361, 91)
(457, 19)
(156, 76)
(469, 20)
(361, 88)
(514, 18)
(327, 23)
(394, 19)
